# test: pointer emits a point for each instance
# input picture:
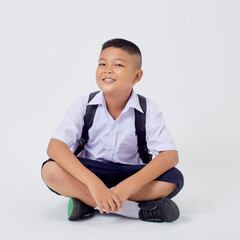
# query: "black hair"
(125, 45)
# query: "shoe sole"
(73, 209)
(78, 209)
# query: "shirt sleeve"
(157, 135)
(70, 128)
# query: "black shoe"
(160, 210)
(78, 209)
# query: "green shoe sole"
(77, 209)
(70, 207)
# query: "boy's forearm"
(103, 197)
(59, 151)
(156, 167)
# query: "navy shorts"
(113, 173)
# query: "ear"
(138, 76)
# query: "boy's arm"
(157, 166)
(104, 198)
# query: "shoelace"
(150, 214)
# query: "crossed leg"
(65, 184)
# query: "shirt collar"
(98, 100)
(133, 102)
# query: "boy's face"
(117, 72)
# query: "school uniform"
(111, 152)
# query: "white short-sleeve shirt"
(114, 140)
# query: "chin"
(110, 92)
(106, 88)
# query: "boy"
(109, 175)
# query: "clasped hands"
(110, 200)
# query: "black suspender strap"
(140, 122)
(140, 125)
(88, 121)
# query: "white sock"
(129, 209)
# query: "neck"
(115, 104)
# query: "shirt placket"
(111, 142)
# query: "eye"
(101, 64)
(119, 65)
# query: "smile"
(108, 80)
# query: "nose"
(108, 70)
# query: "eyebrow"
(116, 59)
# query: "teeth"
(108, 80)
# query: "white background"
(48, 56)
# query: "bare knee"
(161, 189)
(153, 190)
(167, 188)
(50, 172)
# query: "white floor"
(43, 215)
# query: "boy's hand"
(104, 198)
(123, 191)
